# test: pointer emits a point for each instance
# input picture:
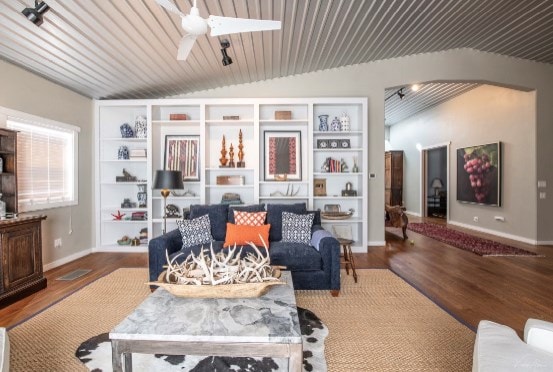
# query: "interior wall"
(370, 80)
(483, 115)
(26, 92)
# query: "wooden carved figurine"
(223, 160)
(241, 163)
(231, 156)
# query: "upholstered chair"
(498, 348)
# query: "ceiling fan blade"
(228, 25)
(170, 6)
(185, 46)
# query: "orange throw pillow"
(242, 234)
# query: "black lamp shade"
(170, 180)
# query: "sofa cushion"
(217, 247)
(195, 231)
(295, 256)
(217, 215)
(243, 234)
(316, 216)
(249, 218)
(274, 217)
(296, 228)
(245, 208)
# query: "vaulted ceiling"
(403, 102)
(127, 48)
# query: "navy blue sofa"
(311, 268)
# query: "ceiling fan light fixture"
(35, 14)
(194, 25)
(226, 59)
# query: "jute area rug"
(378, 324)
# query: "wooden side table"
(348, 260)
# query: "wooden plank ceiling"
(127, 48)
(398, 108)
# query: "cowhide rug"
(95, 354)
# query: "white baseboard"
(64, 260)
(413, 213)
(377, 243)
(545, 242)
(120, 249)
(494, 232)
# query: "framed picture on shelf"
(479, 174)
(319, 186)
(183, 153)
(282, 150)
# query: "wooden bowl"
(246, 290)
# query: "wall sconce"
(225, 44)
(35, 14)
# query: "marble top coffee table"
(266, 326)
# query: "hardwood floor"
(507, 290)
(100, 263)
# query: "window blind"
(45, 167)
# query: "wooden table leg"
(352, 263)
(346, 258)
(128, 361)
(295, 363)
(116, 357)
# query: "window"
(46, 163)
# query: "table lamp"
(166, 180)
(436, 185)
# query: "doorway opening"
(435, 181)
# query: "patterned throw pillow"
(249, 218)
(296, 228)
(195, 231)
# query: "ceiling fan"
(195, 26)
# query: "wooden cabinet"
(21, 252)
(393, 175)
(8, 171)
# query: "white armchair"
(498, 347)
(4, 351)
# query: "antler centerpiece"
(224, 274)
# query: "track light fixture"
(400, 93)
(225, 44)
(35, 14)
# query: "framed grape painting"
(479, 174)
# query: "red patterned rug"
(482, 247)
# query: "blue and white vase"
(335, 126)
(123, 153)
(126, 131)
(323, 123)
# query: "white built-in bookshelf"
(205, 121)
